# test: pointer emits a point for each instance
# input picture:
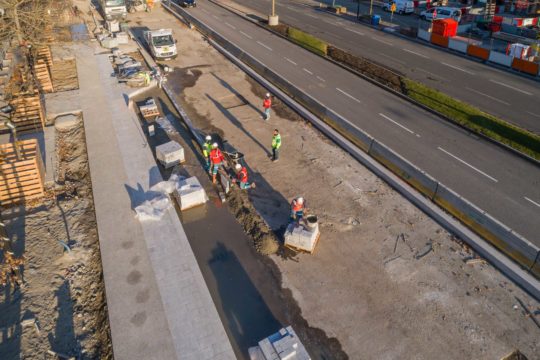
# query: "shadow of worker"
(63, 341)
(246, 315)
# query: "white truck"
(161, 44)
(113, 9)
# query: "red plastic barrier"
(445, 27)
(525, 66)
(478, 52)
(439, 40)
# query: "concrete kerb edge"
(354, 151)
(384, 87)
(510, 269)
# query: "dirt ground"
(385, 279)
(61, 307)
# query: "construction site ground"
(386, 281)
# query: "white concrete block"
(300, 238)
(122, 37)
(424, 35)
(170, 154)
(500, 58)
(109, 43)
(458, 45)
(190, 193)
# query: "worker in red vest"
(242, 177)
(216, 160)
(267, 104)
(298, 207)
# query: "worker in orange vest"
(267, 104)
(216, 160)
(149, 5)
(298, 207)
(242, 177)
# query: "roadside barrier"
(439, 40)
(457, 45)
(524, 253)
(500, 58)
(478, 52)
(525, 66)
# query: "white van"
(161, 44)
(441, 12)
(402, 6)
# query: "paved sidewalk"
(158, 303)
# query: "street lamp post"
(273, 19)
(357, 9)
(371, 8)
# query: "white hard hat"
(300, 200)
(267, 94)
(214, 145)
(208, 137)
(238, 166)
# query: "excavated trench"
(229, 242)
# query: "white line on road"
(246, 35)
(511, 87)
(488, 96)
(215, 17)
(231, 26)
(264, 46)
(458, 68)
(398, 124)
(320, 78)
(533, 114)
(381, 40)
(392, 58)
(306, 70)
(204, 11)
(355, 31)
(415, 53)
(349, 95)
(534, 202)
(432, 74)
(329, 22)
(466, 163)
(289, 60)
(311, 15)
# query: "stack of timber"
(21, 179)
(42, 69)
(29, 115)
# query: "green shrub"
(308, 41)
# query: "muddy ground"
(386, 281)
(61, 306)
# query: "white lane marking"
(204, 11)
(488, 96)
(458, 68)
(306, 70)
(355, 31)
(392, 58)
(311, 15)
(329, 22)
(415, 53)
(532, 201)
(293, 18)
(432, 74)
(466, 163)
(289, 60)
(292, 9)
(246, 35)
(231, 26)
(398, 124)
(264, 46)
(320, 78)
(533, 114)
(381, 40)
(215, 17)
(349, 95)
(511, 87)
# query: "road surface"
(509, 96)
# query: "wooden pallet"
(21, 179)
(44, 53)
(42, 73)
(29, 115)
(297, 249)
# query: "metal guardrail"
(524, 253)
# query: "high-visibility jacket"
(242, 175)
(296, 206)
(216, 156)
(267, 103)
(207, 148)
(276, 141)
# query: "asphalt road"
(509, 96)
(499, 182)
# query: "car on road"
(188, 3)
(402, 6)
(441, 12)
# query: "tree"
(26, 21)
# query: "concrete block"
(190, 193)
(500, 58)
(122, 37)
(109, 43)
(170, 154)
(458, 45)
(300, 238)
(424, 35)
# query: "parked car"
(441, 12)
(188, 3)
(402, 6)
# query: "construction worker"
(206, 148)
(297, 209)
(267, 104)
(149, 5)
(276, 144)
(216, 160)
(242, 177)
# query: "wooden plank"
(21, 192)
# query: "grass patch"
(308, 41)
(475, 119)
